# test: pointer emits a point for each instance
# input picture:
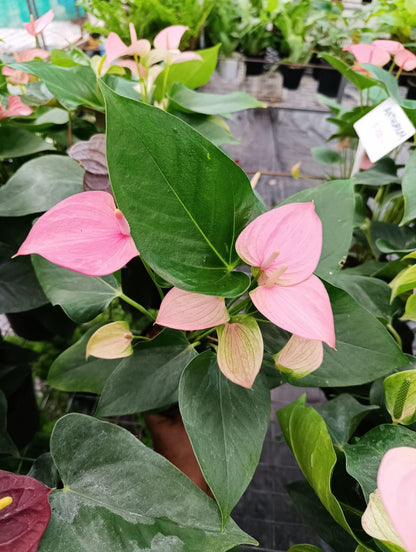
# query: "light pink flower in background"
(184, 310)
(284, 246)
(392, 47)
(85, 233)
(115, 49)
(36, 26)
(405, 60)
(17, 77)
(240, 350)
(16, 108)
(367, 53)
(396, 482)
(168, 40)
(299, 357)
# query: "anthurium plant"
(237, 300)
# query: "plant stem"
(70, 138)
(152, 276)
(395, 334)
(137, 306)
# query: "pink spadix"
(85, 233)
(284, 246)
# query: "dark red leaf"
(23, 522)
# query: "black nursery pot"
(291, 76)
(411, 90)
(329, 80)
(254, 65)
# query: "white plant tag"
(383, 129)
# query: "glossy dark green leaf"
(44, 470)
(226, 424)
(326, 156)
(148, 379)
(342, 416)
(390, 238)
(19, 142)
(176, 185)
(334, 204)
(40, 184)
(189, 100)
(120, 495)
(81, 297)
(72, 372)
(365, 350)
(371, 293)
(19, 287)
(364, 457)
(71, 86)
(358, 79)
(316, 516)
(307, 435)
(7, 447)
(190, 73)
(408, 189)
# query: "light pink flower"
(38, 25)
(183, 310)
(299, 357)
(284, 245)
(16, 108)
(367, 53)
(390, 46)
(396, 482)
(168, 40)
(115, 48)
(240, 350)
(405, 60)
(16, 77)
(85, 233)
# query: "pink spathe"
(85, 233)
(390, 46)
(16, 108)
(284, 245)
(168, 40)
(38, 25)
(184, 310)
(405, 60)
(396, 482)
(369, 53)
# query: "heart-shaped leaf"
(120, 495)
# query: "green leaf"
(316, 516)
(192, 74)
(342, 416)
(358, 79)
(390, 238)
(213, 128)
(334, 204)
(207, 199)
(120, 495)
(226, 424)
(40, 184)
(371, 293)
(72, 372)
(307, 435)
(43, 469)
(410, 310)
(387, 79)
(364, 457)
(81, 297)
(400, 393)
(304, 548)
(19, 287)
(409, 193)
(210, 104)
(365, 350)
(404, 281)
(19, 142)
(71, 86)
(44, 118)
(326, 156)
(149, 378)
(7, 447)
(382, 173)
